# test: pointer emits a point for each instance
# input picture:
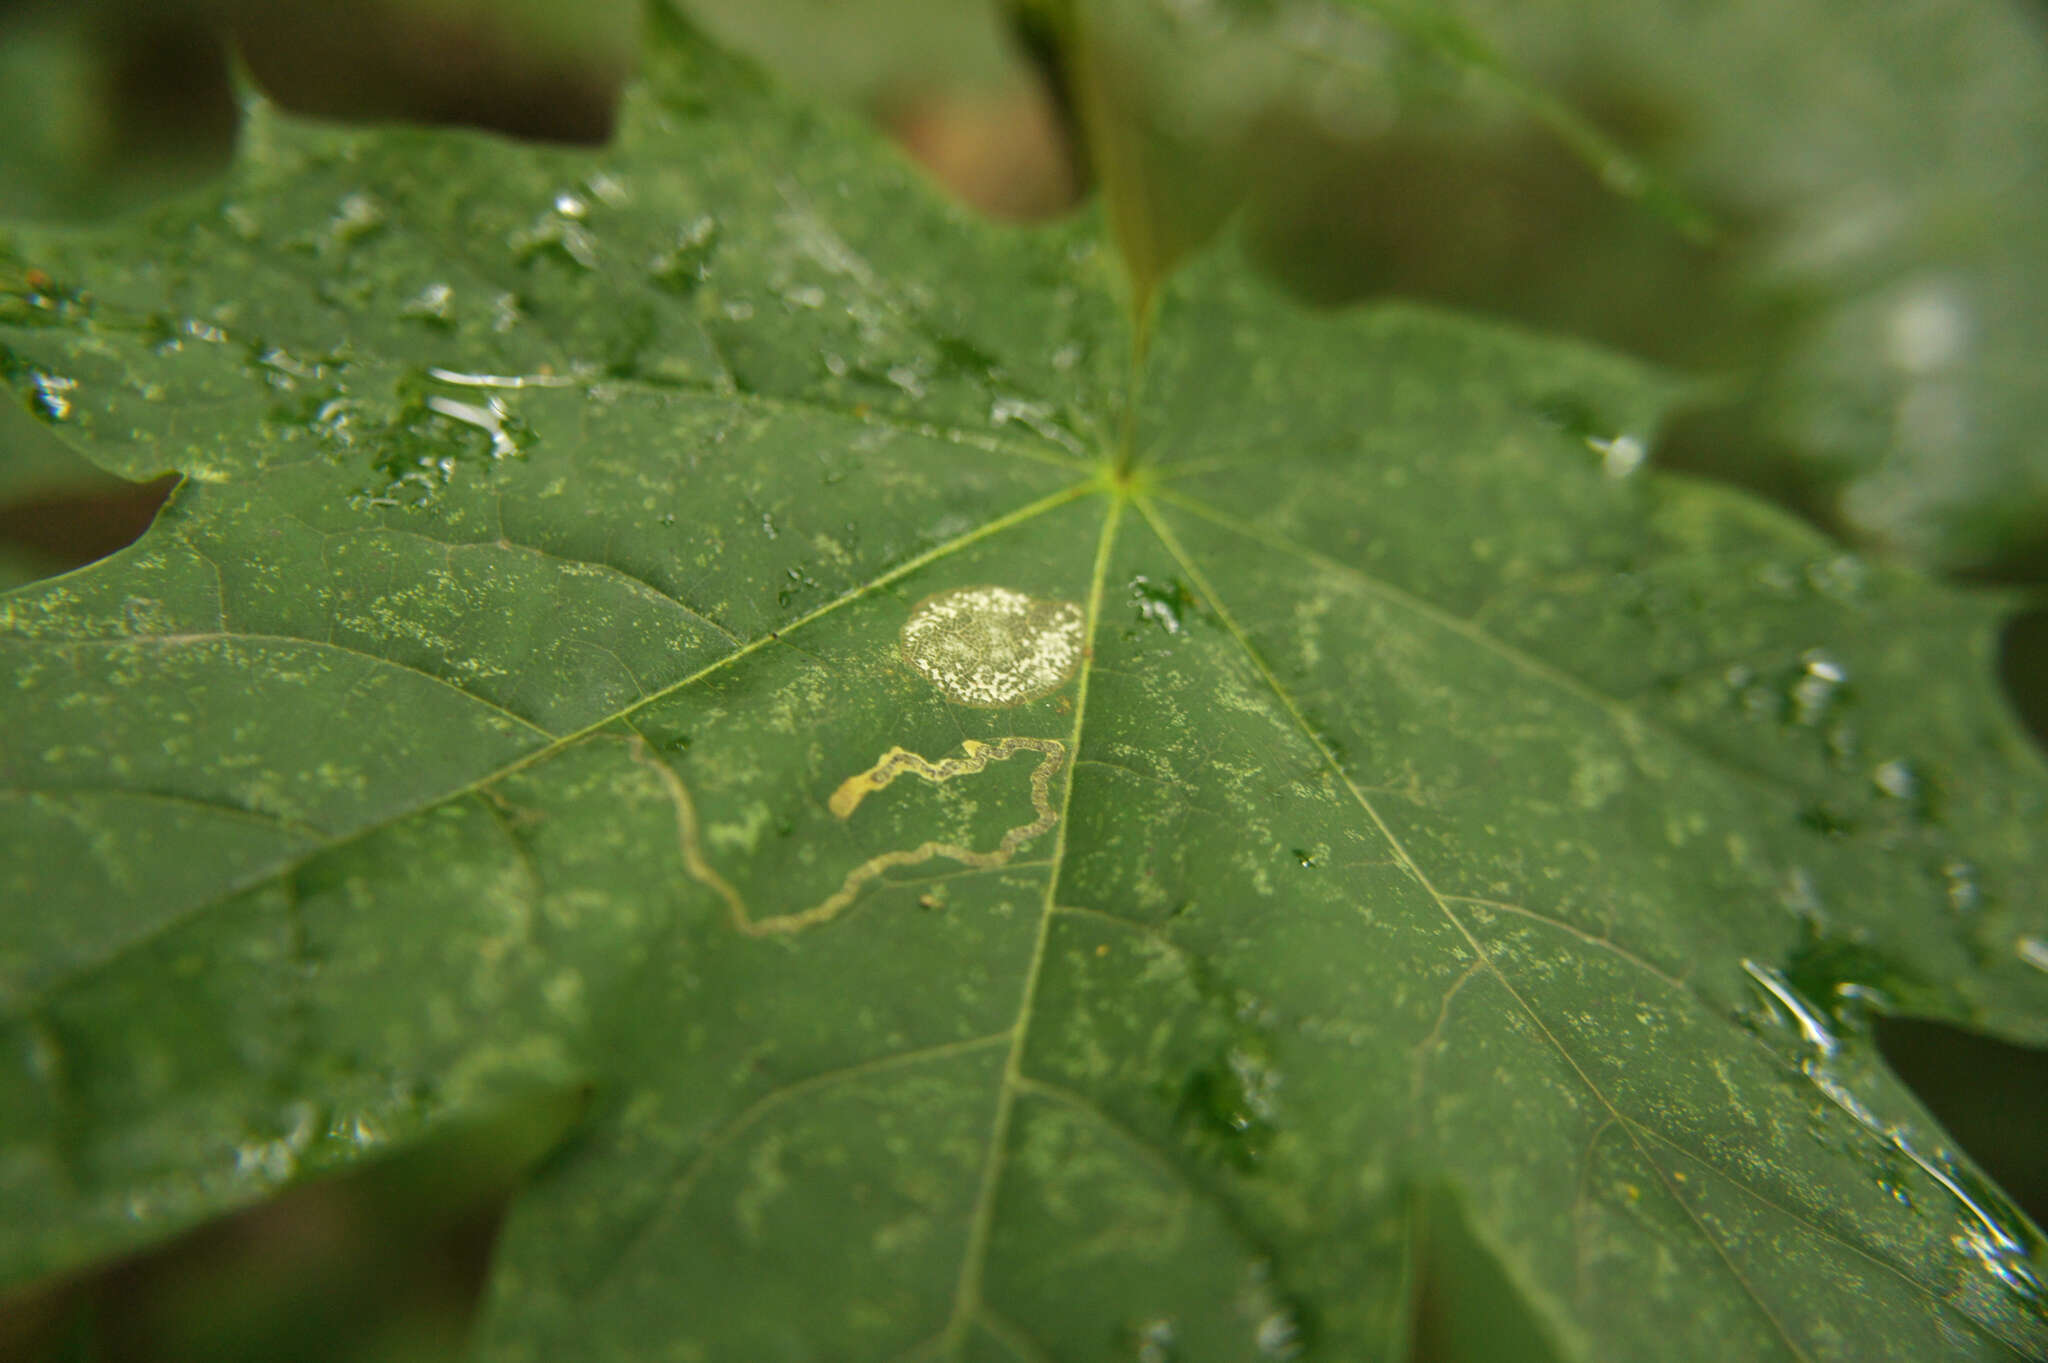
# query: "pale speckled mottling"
(992, 646)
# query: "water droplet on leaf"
(1155, 1340)
(358, 217)
(1963, 894)
(1227, 1108)
(1896, 779)
(434, 304)
(1279, 1335)
(1816, 688)
(1169, 605)
(51, 396)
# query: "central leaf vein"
(967, 1297)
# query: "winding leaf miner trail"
(975, 757)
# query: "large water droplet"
(1155, 1340)
(1279, 1335)
(51, 396)
(358, 217)
(1817, 687)
(558, 234)
(1227, 1109)
(434, 304)
(687, 263)
(1620, 455)
(1991, 1235)
(1896, 779)
(1813, 1025)
(490, 418)
(1169, 604)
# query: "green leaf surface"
(1406, 838)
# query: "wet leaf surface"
(525, 692)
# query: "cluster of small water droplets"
(1276, 1325)
(1812, 692)
(426, 448)
(274, 1156)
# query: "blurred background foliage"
(382, 1265)
(1831, 215)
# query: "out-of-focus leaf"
(1884, 172)
(1836, 216)
(103, 111)
(867, 52)
(111, 104)
(546, 69)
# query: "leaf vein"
(739, 1123)
(566, 741)
(1421, 878)
(210, 637)
(1627, 717)
(967, 1298)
